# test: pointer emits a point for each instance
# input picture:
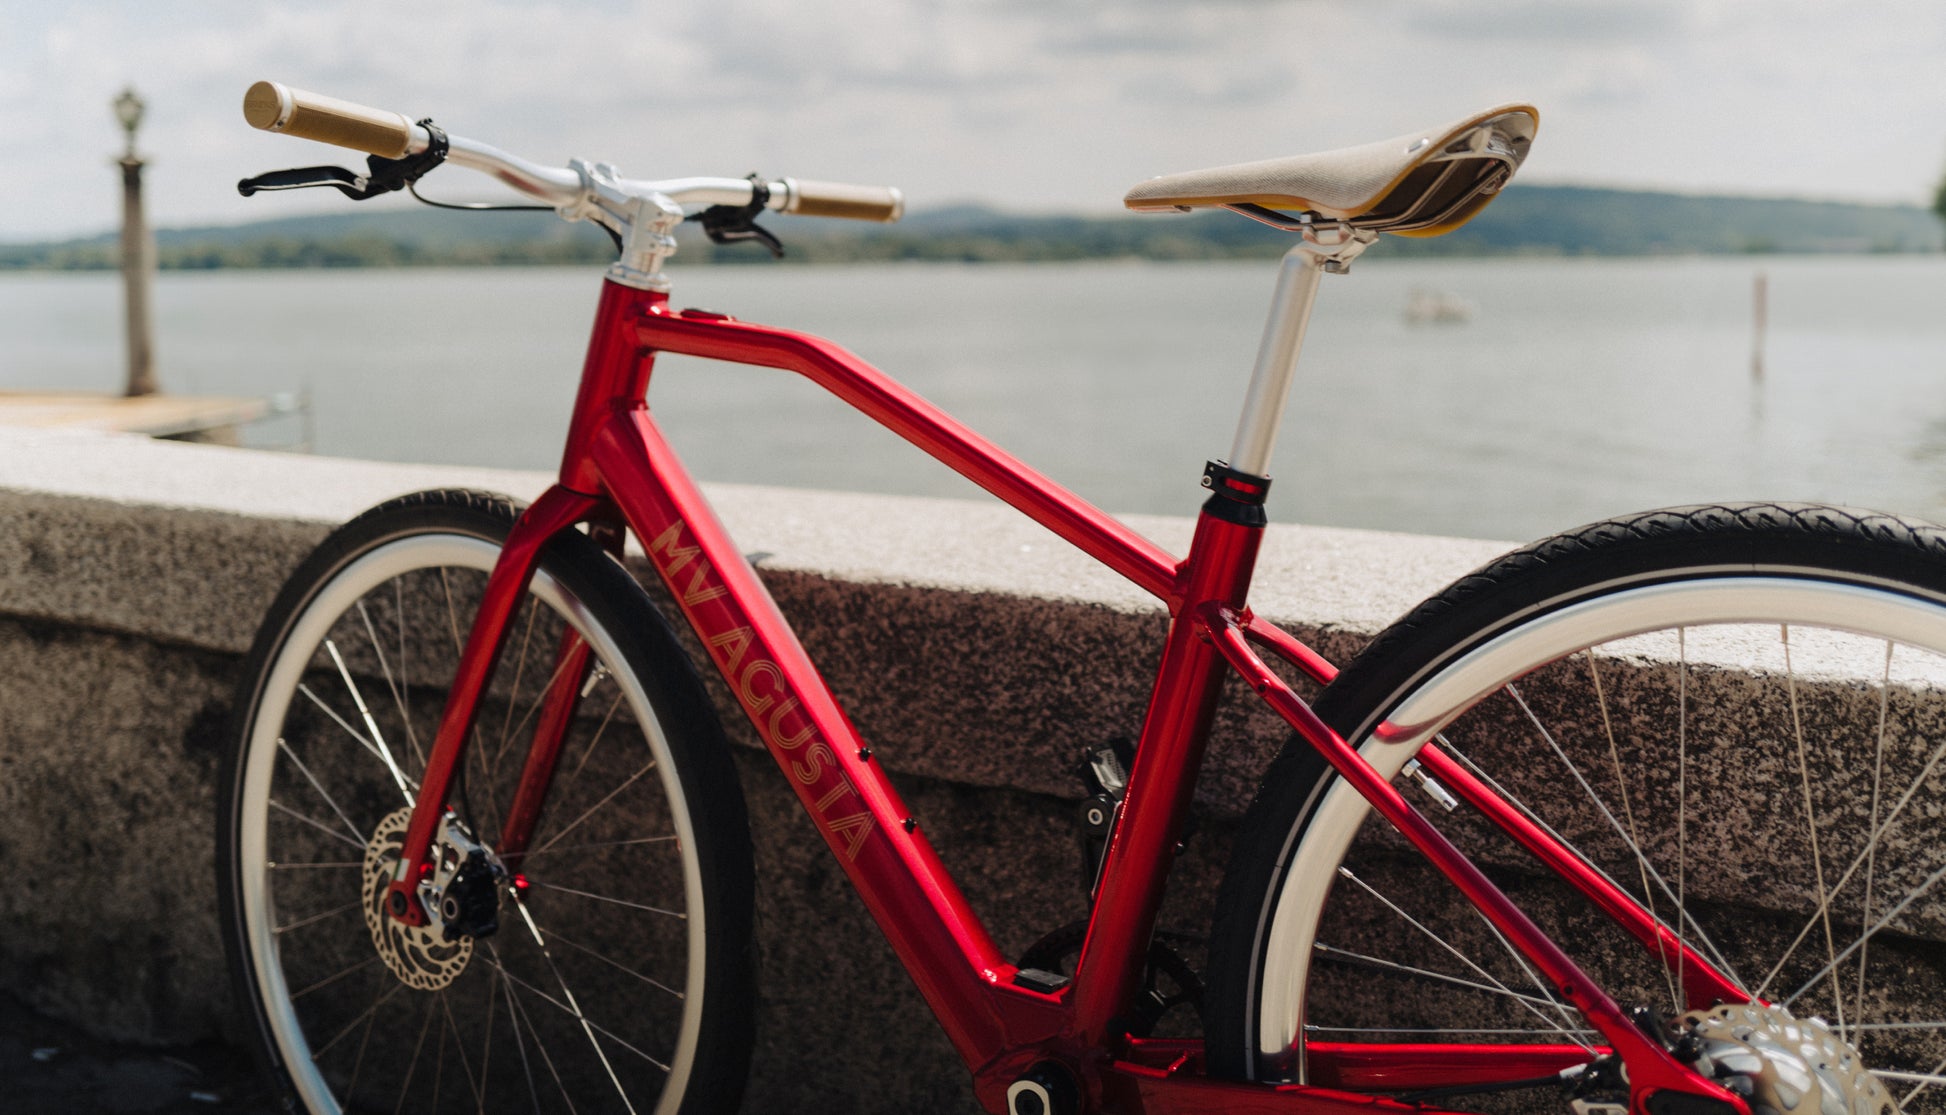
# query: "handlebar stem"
(645, 222)
(642, 215)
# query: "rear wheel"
(619, 977)
(1735, 713)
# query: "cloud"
(1034, 103)
(1638, 21)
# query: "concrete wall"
(133, 573)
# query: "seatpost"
(1324, 248)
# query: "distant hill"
(1528, 220)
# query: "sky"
(1033, 105)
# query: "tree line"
(1528, 220)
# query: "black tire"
(622, 972)
(1665, 713)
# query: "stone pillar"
(138, 276)
(138, 254)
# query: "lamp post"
(138, 255)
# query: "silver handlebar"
(567, 188)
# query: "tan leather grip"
(279, 108)
(839, 199)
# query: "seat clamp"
(1236, 485)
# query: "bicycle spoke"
(1855, 864)
(1533, 977)
(405, 669)
(604, 898)
(439, 1061)
(392, 683)
(670, 839)
(275, 866)
(1616, 825)
(368, 745)
(616, 964)
(316, 785)
(1908, 900)
(364, 1042)
(336, 976)
(630, 781)
(540, 1046)
(513, 692)
(315, 918)
(371, 725)
(478, 747)
(1919, 1080)
(1871, 843)
(536, 705)
(588, 752)
(1682, 803)
(1628, 812)
(479, 1097)
(1360, 959)
(316, 824)
(1471, 1031)
(513, 1022)
(1346, 873)
(452, 614)
(413, 1066)
(1878, 770)
(546, 954)
(1695, 928)
(592, 1025)
(541, 699)
(1811, 826)
(366, 1016)
(486, 1031)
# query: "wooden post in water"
(138, 256)
(1759, 323)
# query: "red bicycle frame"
(617, 469)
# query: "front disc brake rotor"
(420, 955)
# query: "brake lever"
(382, 175)
(353, 186)
(732, 224)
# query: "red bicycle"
(482, 844)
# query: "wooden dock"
(182, 417)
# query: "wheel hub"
(1783, 1065)
(421, 956)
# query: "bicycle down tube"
(617, 460)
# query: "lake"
(1576, 388)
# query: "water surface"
(1577, 389)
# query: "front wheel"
(1734, 713)
(619, 975)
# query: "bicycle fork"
(558, 510)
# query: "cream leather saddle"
(1420, 184)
